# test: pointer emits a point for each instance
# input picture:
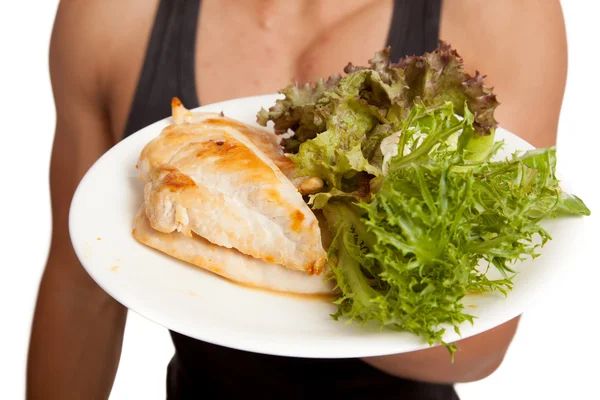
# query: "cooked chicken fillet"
(267, 141)
(209, 178)
(228, 263)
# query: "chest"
(244, 55)
(239, 54)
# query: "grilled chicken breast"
(265, 140)
(223, 181)
(228, 263)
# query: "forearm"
(476, 358)
(76, 339)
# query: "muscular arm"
(77, 328)
(521, 47)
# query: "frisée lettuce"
(415, 202)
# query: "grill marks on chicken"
(228, 183)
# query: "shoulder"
(79, 32)
(521, 48)
(88, 40)
(504, 28)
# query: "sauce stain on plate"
(325, 297)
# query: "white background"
(554, 355)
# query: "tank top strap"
(169, 64)
(415, 27)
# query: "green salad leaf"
(339, 124)
(418, 207)
(335, 155)
(408, 257)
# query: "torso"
(278, 46)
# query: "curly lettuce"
(412, 198)
(340, 123)
(407, 257)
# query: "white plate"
(196, 303)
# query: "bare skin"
(96, 53)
